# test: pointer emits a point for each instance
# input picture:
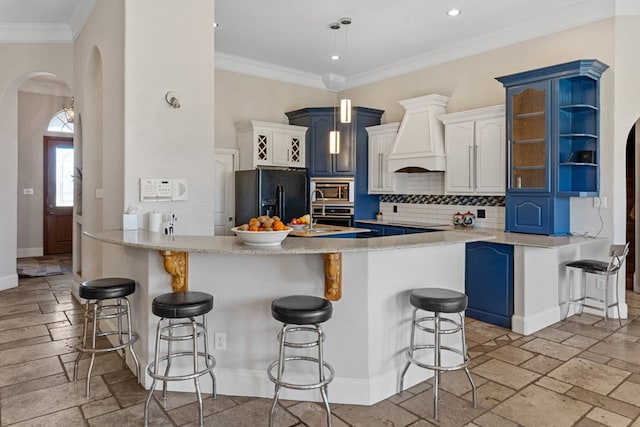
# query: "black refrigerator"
(271, 191)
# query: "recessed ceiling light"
(335, 57)
(454, 12)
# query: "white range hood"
(419, 144)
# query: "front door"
(58, 194)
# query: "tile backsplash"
(426, 203)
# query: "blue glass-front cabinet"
(553, 116)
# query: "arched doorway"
(40, 99)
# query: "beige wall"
(169, 47)
(20, 63)
(99, 99)
(240, 98)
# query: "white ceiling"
(290, 40)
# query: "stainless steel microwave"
(334, 191)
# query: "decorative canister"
(458, 218)
(468, 219)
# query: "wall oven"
(334, 191)
(332, 215)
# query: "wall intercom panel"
(162, 190)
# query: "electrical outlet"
(395, 208)
(98, 193)
(27, 191)
(220, 341)
(599, 202)
(482, 213)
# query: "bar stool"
(301, 313)
(178, 312)
(95, 292)
(606, 269)
(438, 301)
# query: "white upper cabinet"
(271, 144)
(381, 139)
(476, 151)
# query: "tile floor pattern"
(574, 373)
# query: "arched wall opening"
(39, 99)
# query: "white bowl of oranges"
(262, 231)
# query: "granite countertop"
(144, 239)
(429, 226)
(496, 235)
(320, 230)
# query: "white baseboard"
(29, 252)
(527, 325)
(8, 282)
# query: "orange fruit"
(253, 228)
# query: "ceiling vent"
(419, 144)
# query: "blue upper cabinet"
(553, 119)
(353, 139)
(353, 158)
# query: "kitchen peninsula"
(368, 334)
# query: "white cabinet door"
(380, 143)
(490, 156)
(459, 146)
(476, 151)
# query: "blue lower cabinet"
(489, 282)
(392, 230)
(538, 215)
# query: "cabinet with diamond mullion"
(271, 144)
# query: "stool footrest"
(209, 367)
(312, 386)
(413, 360)
(125, 344)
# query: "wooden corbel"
(177, 265)
(333, 276)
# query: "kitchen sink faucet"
(311, 210)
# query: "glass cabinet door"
(529, 160)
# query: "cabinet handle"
(470, 164)
(380, 162)
(475, 166)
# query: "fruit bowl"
(262, 238)
(298, 226)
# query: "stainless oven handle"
(332, 216)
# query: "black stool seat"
(107, 288)
(177, 305)
(438, 300)
(301, 310)
(590, 266)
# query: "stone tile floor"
(579, 372)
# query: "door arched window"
(60, 123)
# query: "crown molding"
(35, 33)
(589, 11)
(238, 64)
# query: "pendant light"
(68, 112)
(345, 103)
(334, 135)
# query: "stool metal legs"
(606, 303)
(323, 381)
(195, 330)
(98, 311)
(436, 367)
